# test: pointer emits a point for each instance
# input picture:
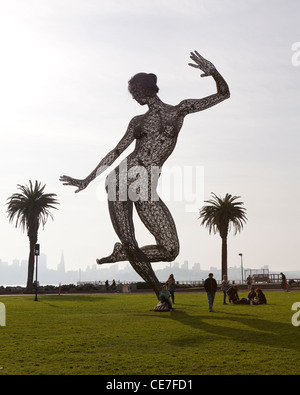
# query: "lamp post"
(36, 253)
(242, 270)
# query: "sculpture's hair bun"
(145, 80)
(153, 77)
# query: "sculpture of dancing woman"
(155, 134)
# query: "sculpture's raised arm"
(193, 105)
(104, 163)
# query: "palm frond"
(31, 207)
(220, 215)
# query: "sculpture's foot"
(162, 306)
(114, 257)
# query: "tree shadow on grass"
(249, 329)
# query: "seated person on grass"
(251, 294)
(260, 297)
(233, 294)
(164, 297)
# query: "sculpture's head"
(142, 86)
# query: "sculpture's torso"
(156, 135)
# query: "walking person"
(171, 286)
(210, 286)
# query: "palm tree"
(31, 209)
(219, 216)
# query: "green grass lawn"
(119, 334)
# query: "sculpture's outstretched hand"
(81, 184)
(202, 64)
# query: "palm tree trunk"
(32, 242)
(224, 256)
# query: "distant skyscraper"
(196, 266)
(61, 266)
(185, 265)
(16, 263)
(24, 264)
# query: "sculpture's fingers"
(194, 57)
(199, 56)
(194, 65)
(64, 178)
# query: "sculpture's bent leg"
(121, 216)
(158, 220)
(118, 255)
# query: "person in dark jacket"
(210, 286)
(283, 281)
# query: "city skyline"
(16, 273)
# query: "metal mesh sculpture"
(134, 181)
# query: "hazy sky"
(64, 105)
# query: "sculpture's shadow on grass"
(55, 300)
(239, 327)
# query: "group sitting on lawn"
(255, 296)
